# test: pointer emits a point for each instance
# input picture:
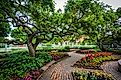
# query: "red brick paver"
(61, 70)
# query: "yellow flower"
(81, 78)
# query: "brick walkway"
(61, 70)
(112, 68)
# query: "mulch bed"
(85, 51)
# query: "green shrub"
(20, 62)
(115, 51)
(64, 49)
(67, 47)
(86, 48)
(75, 47)
(45, 48)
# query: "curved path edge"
(62, 70)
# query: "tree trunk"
(36, 43)
(31, 49)
(100, 45)
(31, 46)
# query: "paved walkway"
(61, 70)
(112, 68)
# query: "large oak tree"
(35, 21)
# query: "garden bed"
(85, 51)
(35, 74)
(91, 75)
(19, 63)
(94, 61)
(58, 55)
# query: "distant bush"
(2, 45)
(115, 51)
(64, 49)
(67, 47)
(45, 48)
(84, 47)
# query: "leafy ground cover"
(20, 63)
(91, 75)
(93, 61)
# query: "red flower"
(97, 54)
(88, 55)
(91, 57)
(84, 59)
(28, 77)
(103, 54)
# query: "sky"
(114, 3)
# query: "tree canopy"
(4, 27)
(37, 21)
(94, 19)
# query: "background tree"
(91, 18)
(116, 33)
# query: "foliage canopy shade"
(37, 21)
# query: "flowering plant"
(94, 61)
(85, 51)
(33, 75)
(91, 75)
(58, 55)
